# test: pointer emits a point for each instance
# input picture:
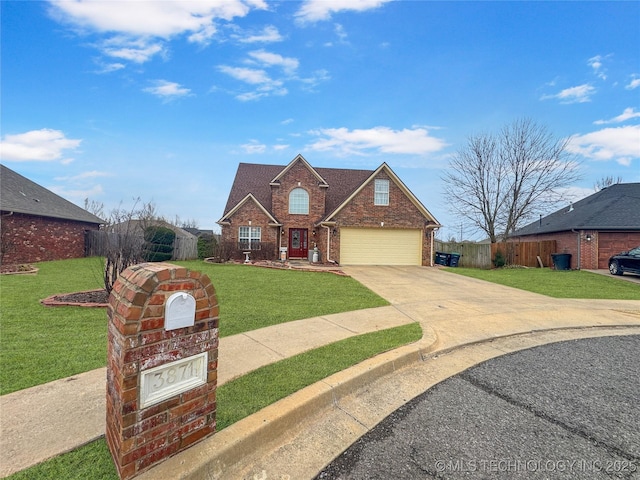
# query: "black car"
(625, 262)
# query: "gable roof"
(20, 195)
(300, 159)
(256, 180)
(613, 208)
(253, 181)
(384, 167)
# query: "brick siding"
(28, 238)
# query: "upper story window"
(299, 201)
(381, 195)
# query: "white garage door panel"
(379, 246)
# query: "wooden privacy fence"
(526, 253)
(481, 255)
(98, 242)
(472, 255)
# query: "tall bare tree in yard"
(500, 181)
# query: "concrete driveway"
(465, 322)
(627, 277)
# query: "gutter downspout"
(579, 262)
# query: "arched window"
(299, 201)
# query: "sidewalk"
(75, 407)
(465, 321)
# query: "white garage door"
(380, 246)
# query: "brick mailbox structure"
(162, 364)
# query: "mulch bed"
(18, 269)
(89, 298)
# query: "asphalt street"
(562, 410)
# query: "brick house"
(37, 225)
(593, 229)
(355, 217)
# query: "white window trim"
(254, 234)
(291, 212)
(381, 192)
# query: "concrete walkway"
(465, 322)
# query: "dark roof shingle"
(255, 179)
(21, 195)
(614, 208)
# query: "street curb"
(212, 455)
(210, 458)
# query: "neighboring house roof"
(20, 195)
(253, 183)
(613, 208)
(197, 232)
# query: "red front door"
(298, 243)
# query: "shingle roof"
(614, 208)
(255, 179)
(21, 195)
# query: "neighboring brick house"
(355, 217)
(593, 229)
(38, 225)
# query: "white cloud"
(81, 177)
(37, 145)
(627, 114)
(247, 75)
(316, 10)
(109, 67)
(77, 195)
(415, 141)
(254, 147)
(268, 59)
(318, 77)
(634, 83)
(137, 50)
(167, 90)
(134, 28)
(621, 144)
(578, 94)
(596, 64)
(266, 86)
(269, 34)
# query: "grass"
(557, 283)
(252, 298)
(240, 397)
(41, 344)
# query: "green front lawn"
(558, 283)
(240, 397)
(41, 344)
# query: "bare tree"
(124, 233)
(95, 207)
(188, 223)
(498, 182)
(605, 182)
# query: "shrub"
(207, 246)
(499, 261)
(158, 245)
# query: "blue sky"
(112, 100)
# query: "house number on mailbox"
(165, 381)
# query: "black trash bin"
(561, 261)
(454, 260)
(443, 258)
